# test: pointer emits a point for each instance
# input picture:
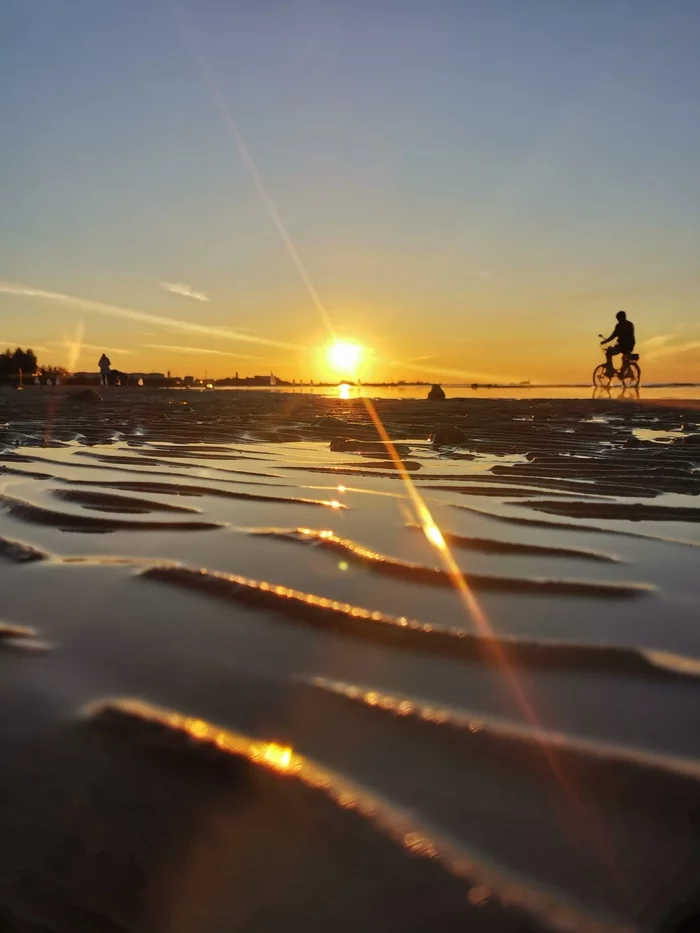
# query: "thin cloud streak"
(674, 350)
(185, 291)
(203, 351)
(412, 359)
(466, 375)
(89, 346)
(463, 374)
(13, 344)
(658, 341)
(99, 307)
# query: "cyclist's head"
(621, 316)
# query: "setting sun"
(344, 356)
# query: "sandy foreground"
(243, 689)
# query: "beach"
(339, 664)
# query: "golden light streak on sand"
(586, 822)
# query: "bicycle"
(629, 372)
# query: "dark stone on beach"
(367, 447)
(85, 395)
(436, 394)
(446, 435)
(329, 421)
(95, 434)
(342, 443)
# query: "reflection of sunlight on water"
(482, 879)
(434, 535)
(497, 648)
(279, 757)
(349, 390)
(659, 437)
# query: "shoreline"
(683, 394)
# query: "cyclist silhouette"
(624, 332)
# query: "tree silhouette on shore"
(18, 360)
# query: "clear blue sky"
(480, 182)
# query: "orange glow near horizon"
(477, 352)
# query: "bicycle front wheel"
(601, 378)
(630, 376)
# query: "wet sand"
(241, 689)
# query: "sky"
(469, 190)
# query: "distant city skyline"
(468, 191)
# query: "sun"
(344, 356)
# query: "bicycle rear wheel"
(601, 377)
(630, 376)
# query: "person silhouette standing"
(105, 366)
(624, 332)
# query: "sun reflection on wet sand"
(137, 719)
(279, 757)
(434, 535)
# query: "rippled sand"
(242, 689)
